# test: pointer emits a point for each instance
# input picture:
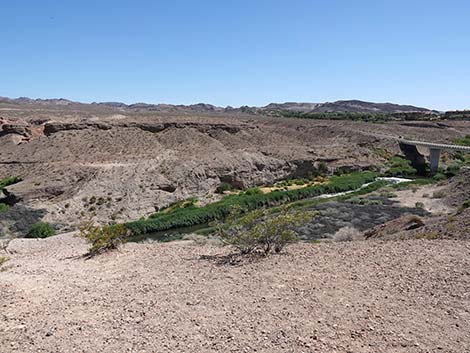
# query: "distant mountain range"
(343, 106)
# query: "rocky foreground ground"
(361, 296)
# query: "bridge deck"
(437, 146)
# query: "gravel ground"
(364, 296)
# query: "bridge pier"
(434, 150)
(434, 155)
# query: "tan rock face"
(142, 161)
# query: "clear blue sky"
(237, 52)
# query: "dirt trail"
(369, 296)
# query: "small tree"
(260, 231)
(103, 238)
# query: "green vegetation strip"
(192, 215)
(369, 117)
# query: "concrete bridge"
(434, 150)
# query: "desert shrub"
(103, 238)
(400, 167)
(9, 181)
(253, 191)
(463, 141)
(4, 207)
(464, 206)
(419, 205)
(388, 194)
(462, 158)
(223, 187)
(439, 176)
(187, 203)
(40, 230)
(299, 182)
(383, 153)
(260, 232)
(3, 259)
(428, 236)
(320, 171)
(322, 168)
(369, 202)
(439, 194)
(452, 170)
(354, 200)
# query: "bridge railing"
(432, 145)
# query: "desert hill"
(342, 106)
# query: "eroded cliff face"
(121, 167)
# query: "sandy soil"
(409, 198)
(365, 296)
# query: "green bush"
(223, 187)
(400, 167)
(439, 177)
(419, 205)
(464, 206)
(253, 191)
(40, 230)
(193, 215)
(463, 141)
(260, 232)
(439, 194)
(9, 181)
(452, 170)
(322, 168)
(4, 207)
(187, 203)
(104, 238)
(3, 259)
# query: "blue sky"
(237, 52)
